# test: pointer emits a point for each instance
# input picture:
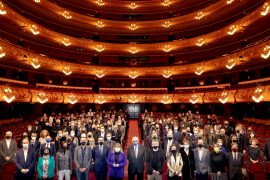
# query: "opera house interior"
(142, 89)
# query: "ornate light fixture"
(167, 48)
(133, 5)
(72, 99)
(199, 71)
(224, 97)
(100, 73)
(101, 99)
(194, 98)
(100, 24)
(133, 50)
(42, 97)
(230, 1)
(66, 70)
(133, 27)
(257, 95)
(34, 29)
(133, 74)
(2, 53)
(200, 42)
(133, 99)
(230, 64)
(166, 99)
(2, 9)
(199, 15)
(37, 1)
(266, 52)
(8, 95)
(232, 30)
(66, 41)
(99, 48)
(166, 3)
(100, 2)
(67, 15)
(167, 74)
(166, 24)
(35, 63)
(266, 9)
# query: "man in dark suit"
(8, 148)
(48, 144)
(116, 134)
(34, 143)
(168, 142)
(100, 155)
(109, 142)
(266, 149)
(136, 158)
(235, 163)
(25, 162)
(240, 140)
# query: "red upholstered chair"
(257, 170)
(5, 176)
(9, 168)
(267, 167)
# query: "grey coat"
(202, 166)
(63, 160)
(136, 164)
(82, 163)
(5, 151)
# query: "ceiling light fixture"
(167, 74)
(2, 53)
(66, 42)
(257, 95)
(133, 99)
(166, 99)
(133, 50)
(72, 99)
(194, 99)
(67, 71)
(133, 5)
(166, 3)
(100, 73)
(133, 75)
(35, 63)
(266, 9)
(100, 2)
(199, 71)
(166, 24)
(230, 64)
(42, 97)
(37, 1)
(200, 42)
(2, 9)
(100, 24)
(167, 48)
(266, 52)
(34, 29)
(67, 15)
(232, 30)
(230, 1)
(99, 48)
(199, 15)
(224, 97)
(133, 27)
(101, 99)
(8, 95)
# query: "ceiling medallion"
(166, 99)
(42, 97)
(35, 63)
(2, 9)
(266, 9)
(2, 53)
(133, 50)
(133, 27)
(66, 42)
(230, 64)
(200, 42)
(8, 95)
(133, 5)
(199, 15)
(166, 24)
(194, 99)
(72, 99)
(100, 24)
(133, 99)
(257, 95)
(67, 15)
(166, 3)
(34, 29)
(167, 73)
(199, 71)
(99, 48)
(167, 48)
(230, 1)
(100, 2)
(224, 97)
(133, 74)
(100, 73)
(266, 52)
(232, 30)
(101, 99)
(67, 71)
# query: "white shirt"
(200, 153)
(168, 146)
(136, 150)
(8, 142)
(25, 154)
(47, 145)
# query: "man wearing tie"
(136, 158)
(49, 145)
(235, 163)
(34, 143)
(201, 158)
(100, 155)
(168, 142)
(109, 142)
(8, 148)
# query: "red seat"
(257, 170)
(267, 167)
(6, 176)
(9, 168)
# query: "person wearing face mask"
(116, 134)
(117, 162)
(254, 151)
(176, 133)
(25, 162)
(46, 165)
(217, 164)
(168, 142)
(42, 137)
(100, 154)
(34, 143)
(155, 160)
(109, 142)
(221, 146)
(136, 158)
(188, 160)
(74, 139)
(174, 163)
(82, 160)
(201, 158)
(24, 135)
(211, 137)
(63, 162)
(49, 145)
(240, 139)
(235, 163)
(249, 136)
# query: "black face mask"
(83, 143)
(238, 131)
(100, 143)
(200, 145)
(8, 137)
(46, 154)
(170, 138)
(173, 151)
(235, 141)
(155, 147)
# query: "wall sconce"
(194, 99)
(199, 15)
(230, 64)
(2, 9)
(133, 5)
(67, 71)
(224, 97)
(166, 24)
(200, 42)
(266, 52)
(100, 73)
(166, 3)
(133, 75)
(99, 48)
(35, 63)
(2, 53)
(257, 95)
(42, 97)
(101, 99)
(100, 24)
(166, 99)
(133, 27)
(230, 1)
(232, 30)
(100, 2)
(199, 71)
(8, 95)
(133, 99)
(167, 74)
(34, 29)
(133, 50)
(167, 48)
(72, 99)
(67, 15)
(265, 10)
(66, 41)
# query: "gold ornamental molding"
(115, 48)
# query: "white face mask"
(25, 146)
(109, 138)
(186, 146)
(34, 138)
(117, 149)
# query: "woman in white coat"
(174, 163)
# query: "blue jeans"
(82, 176)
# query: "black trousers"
(111, 178)
(202, 176)
(131, 176)
(174, 178)
(101, 176)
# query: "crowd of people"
(189, 145)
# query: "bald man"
(8, 148)
(136, 158)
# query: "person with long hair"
(46, 165)
(174, 163)
(64, 162)
(218, 162)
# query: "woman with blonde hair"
(174, 163)
(43, 134)
(117, 162)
